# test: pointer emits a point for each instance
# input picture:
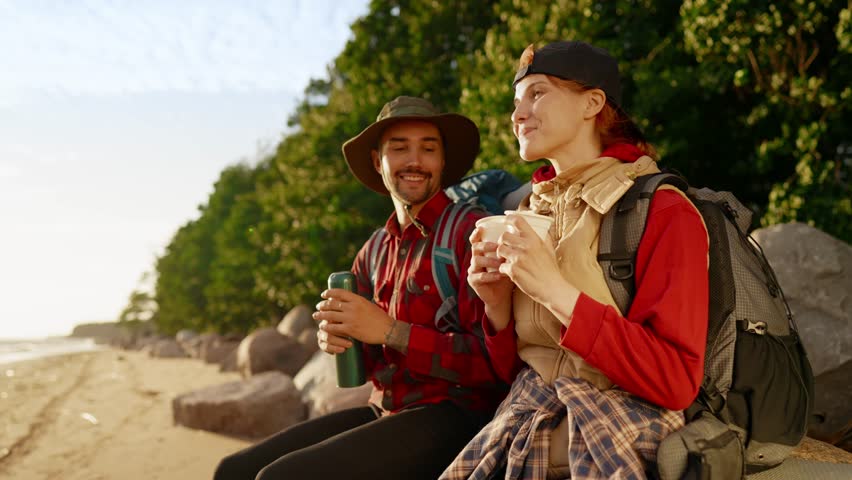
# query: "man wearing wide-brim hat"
(439, 368)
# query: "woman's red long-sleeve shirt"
(657, 351)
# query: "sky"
(116, 118)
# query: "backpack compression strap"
(445, 265)
(377, 250)
(621, 230)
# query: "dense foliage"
(749, 96)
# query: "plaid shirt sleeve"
(477, 356)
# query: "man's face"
(410, 160)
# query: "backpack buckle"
(621, 269)
(758, 328)
(711, 398)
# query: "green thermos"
(350, 364)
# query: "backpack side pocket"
(705, 449)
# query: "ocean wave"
(16, 350)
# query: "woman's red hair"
(613, 125)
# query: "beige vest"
(577, 199)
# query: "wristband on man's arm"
(397, 336)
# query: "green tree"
(317, 214)
(735, 94)
(234, 301)
(206, 278)
(790, 66)
(141, 306)
(181, 276)
(660, 90)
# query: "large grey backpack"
(754, 404)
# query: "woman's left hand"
(530, 262)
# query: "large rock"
(317, 381)
(815, 272)
(296, 321)
(257, 407)
(166, 348)
(218, 351)
(832, 407)
(195, 346)
(229, 363)
(308, 340)
(266, 350)
(146, 343)
(817, 451)
(185, 335)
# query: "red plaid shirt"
(473, 367)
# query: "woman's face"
(547, 117)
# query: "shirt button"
(388, 393)
(427, 287)
(392, 366)
(402, 251)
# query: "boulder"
(217, 351)
(266, 350)
(317, 381)
(815, 272)
(229, 363)
(233, 337)
(297, 320)
(185, 335)
(257, 407)
(832, 409)
(166, 348)
(192, 346)
(196, 346)
(817, 451)
(145, 343)
(308, 340)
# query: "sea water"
(17, 350)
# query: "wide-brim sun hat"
(459, 134)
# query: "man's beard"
(420, 196)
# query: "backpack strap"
(445, 265)
(621, 230)
(377, 250)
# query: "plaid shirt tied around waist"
(612, 434)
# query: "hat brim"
(461, 146)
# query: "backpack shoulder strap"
(621, 230)
(445, 265)
(377, 250)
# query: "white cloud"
(9, 171)
(104, 48)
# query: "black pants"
(416, 443)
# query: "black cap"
(578, 61)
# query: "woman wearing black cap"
(603, 387)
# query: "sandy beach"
(104, 415)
